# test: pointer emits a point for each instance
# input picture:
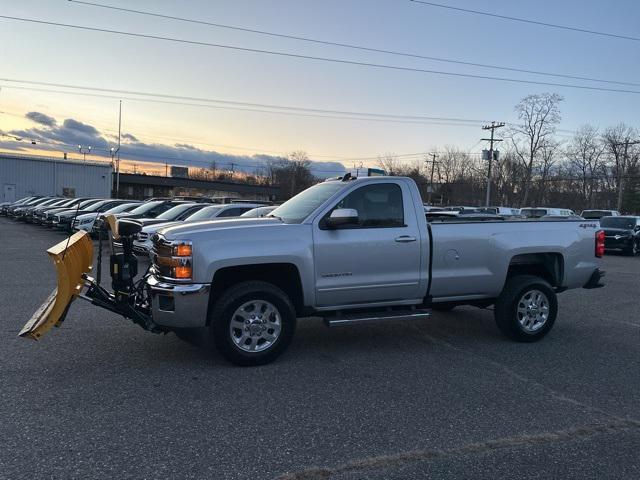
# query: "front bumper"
(178, 305)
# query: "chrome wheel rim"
(533, 310)
(255, 326)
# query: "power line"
(287, 110)
(321, 59)
(525, 20)
(350, 46)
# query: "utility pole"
(433, 164)
(492, 140)
(166, 169)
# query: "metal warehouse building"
(24, 175)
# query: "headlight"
(86, 220)
(174, 260)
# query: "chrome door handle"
(405, 239)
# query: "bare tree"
(548, 158)
(539, 115)
(625, 156)
(585, 154)
(389, 163)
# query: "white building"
(24, 175)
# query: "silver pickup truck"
(349, 250)
(355, 250)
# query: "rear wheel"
(526, 309)
(252, 323)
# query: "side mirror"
(128, 228)
(341, 217)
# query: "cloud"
(66, 137)
(41, 118)
(83, 128)
(130, 137)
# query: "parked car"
(151, 209)
(259, 212)
(80, 205)
(431, 208)
(21, 212)
(174, 214)
(4, 206)
(186, 198)
(33, 215)
(622, 234)
(40, 214)
(535, 212)
(502, 211)
(143, 242)
(64, 220)
(598, 214)
(96, 228)
(42, 217)
(462, 209)
(86, 221)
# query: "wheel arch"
(547, 265)
(285, 276)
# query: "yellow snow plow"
(73, 258)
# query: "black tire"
(443, 307)
(506, 307)
(221, 314)
(634, 249)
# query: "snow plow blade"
(73, 258)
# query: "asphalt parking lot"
(444, 398)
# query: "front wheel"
(252, 323)
(634, 249)
(526, 309)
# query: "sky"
(197, 133)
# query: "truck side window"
(378, 206)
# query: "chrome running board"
(343, 318)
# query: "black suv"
(621, 234)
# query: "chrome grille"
(161, 248)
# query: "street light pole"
(117, 151)
(84, 150)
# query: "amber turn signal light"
(183, 250)
(182, 272)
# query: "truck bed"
(470, 258)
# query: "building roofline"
(42, 158)
(222, 185)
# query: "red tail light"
(600, 243)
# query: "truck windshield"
(618, 222)
(302, 205)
